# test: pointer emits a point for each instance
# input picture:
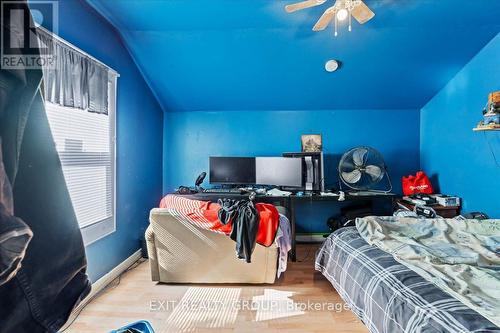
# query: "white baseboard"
(100, 284)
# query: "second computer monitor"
(278, 171)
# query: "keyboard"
(224, 190)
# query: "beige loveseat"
(179, 252)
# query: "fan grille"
(362, 168)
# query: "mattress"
(386, 295)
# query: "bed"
(386, 295)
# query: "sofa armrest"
(152, 254)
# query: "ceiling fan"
(341, 10)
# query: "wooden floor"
(301, 301)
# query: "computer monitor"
(232, 170)
(279, 171)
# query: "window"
(85, 142)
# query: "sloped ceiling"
(252, 55)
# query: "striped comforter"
(386, 295)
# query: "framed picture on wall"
(312, 143)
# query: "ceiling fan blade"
(352, 177)
(374, 171)
(325, 19)
(362, 13)
(303, 5)
(359, 156)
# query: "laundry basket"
(137, 327)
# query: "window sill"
(99, 230)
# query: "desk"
(333, 199)
(289, 203)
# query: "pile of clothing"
(244, 221)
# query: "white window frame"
(93, 232)
(101, 228)
(98, 230)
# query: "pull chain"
(350, 21)
(336, 33)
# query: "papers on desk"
(329, 194)
(278, 193)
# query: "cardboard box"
(494, 97)
(447, 201)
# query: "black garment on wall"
(52, 279)
(41, 280)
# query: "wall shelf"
(492, 127)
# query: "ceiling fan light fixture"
(342, 14)
(342, 10)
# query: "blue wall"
(191, 137)
(461, 160)
(139, 135)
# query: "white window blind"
(85, 143)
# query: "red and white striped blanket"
(204, 215)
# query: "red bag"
(419, 183)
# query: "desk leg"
(291, 207)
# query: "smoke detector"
(332, 65)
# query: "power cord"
(112, 285)
(308, 254)
(491, 149)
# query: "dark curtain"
(42, 257)
(74, 80)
